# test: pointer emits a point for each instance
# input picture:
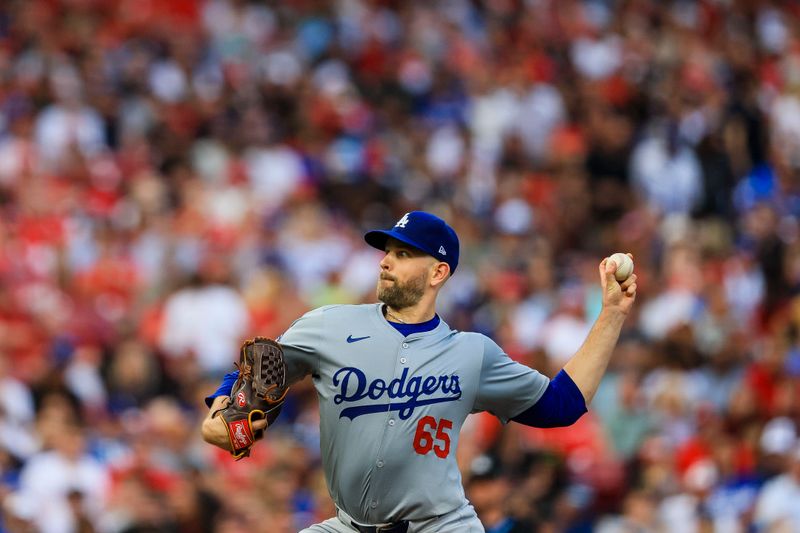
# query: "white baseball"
(624, 266)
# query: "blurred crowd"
(178, 175)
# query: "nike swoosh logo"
(352, 339)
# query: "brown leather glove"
(257, 394)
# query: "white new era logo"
(402, 222)
(442, 251)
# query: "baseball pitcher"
(395, 384)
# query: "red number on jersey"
(424, 440)
(442, 451)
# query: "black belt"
(397, 527)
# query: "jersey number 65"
(425, 441)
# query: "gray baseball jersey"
(391, 407)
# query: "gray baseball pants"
(462, 520)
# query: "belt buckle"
(396, 527)
(364, 529)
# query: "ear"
(439, 274)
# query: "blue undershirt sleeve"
(224, 388)
(562, 404)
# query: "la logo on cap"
(402, 222)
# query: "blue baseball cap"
(423, 231)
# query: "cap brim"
(377, 239)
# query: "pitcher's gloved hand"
(257, 394)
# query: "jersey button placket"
(378, 481)
(403, 361)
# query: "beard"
(401, 295)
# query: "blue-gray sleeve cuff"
(562, 404)
(224, 388)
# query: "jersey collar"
(441, 330)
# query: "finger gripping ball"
(624, 266)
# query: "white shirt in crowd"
(208, 322)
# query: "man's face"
(404, 276)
